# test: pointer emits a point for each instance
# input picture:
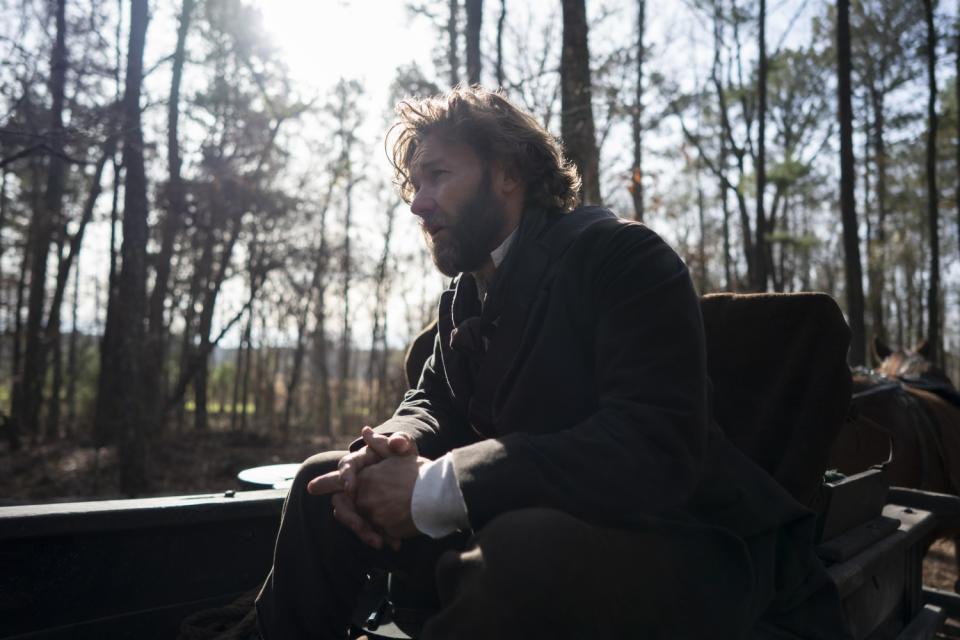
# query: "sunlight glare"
(325, 40)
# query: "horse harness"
(922, 421)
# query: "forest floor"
(940, 571)
(177, 464)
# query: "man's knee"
(529, 541)
(517, 551)
(316, 465)
(584, 576)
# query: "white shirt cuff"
(437, 506)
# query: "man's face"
(460, 214)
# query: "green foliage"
(788, 172)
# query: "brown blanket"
(781, 381)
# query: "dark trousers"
(530, 573)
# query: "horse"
(905, 415)
(911, 404)
(893, 424)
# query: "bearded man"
(555, 473)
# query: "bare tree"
(453, 38)
(851, 242)
(474, 24)
(576, 120)
(500, 26)
(760, 274)
(379, 352)
(155, 348)
(636, 116)
(933, 197)
(883, 34)
(123, 403)
(45, 221)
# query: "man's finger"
(345, 513)
(351, 464)
(325, 484)
(401, 444)
(377, 442)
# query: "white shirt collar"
(497, 255)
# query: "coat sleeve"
(642, 450)
(428, 415)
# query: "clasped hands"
(372, 488)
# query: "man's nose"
(423, 204)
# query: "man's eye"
(436, 173)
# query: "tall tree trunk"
(501, 21)
(876, 258)
(453, 50)
(3, 224)
(197, 361)
(176, 206)
(73, 371)
(126, 397)
(761, 245)
(199, 293)
(248, 358)
(102, 426)
(346, 343)
(200, 273)
(933, 197)
(211, 293)
(52, 340)
(729, 280)
(576, 121)
(237, 371)
(728, 277)
(14, 432)
(378, 334)
(6, 424)
(47, 218)
(702, 240)
(729, 144)
(52, 330)
(636, 116)
(321, 365)
(474, 24)
(295, 372)
(851, 242)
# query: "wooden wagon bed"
(130, 568)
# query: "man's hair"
(497, 131)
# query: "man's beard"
(469, 237)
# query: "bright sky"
(325, 40)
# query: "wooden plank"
(945, 506)
(28, 521)
(946, 600)
(877, 599)
(79, 571)
(857, 539)
(925, 625)
(915, 525)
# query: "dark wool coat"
(593, 398)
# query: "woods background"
(193, 244)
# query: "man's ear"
(506, 179)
